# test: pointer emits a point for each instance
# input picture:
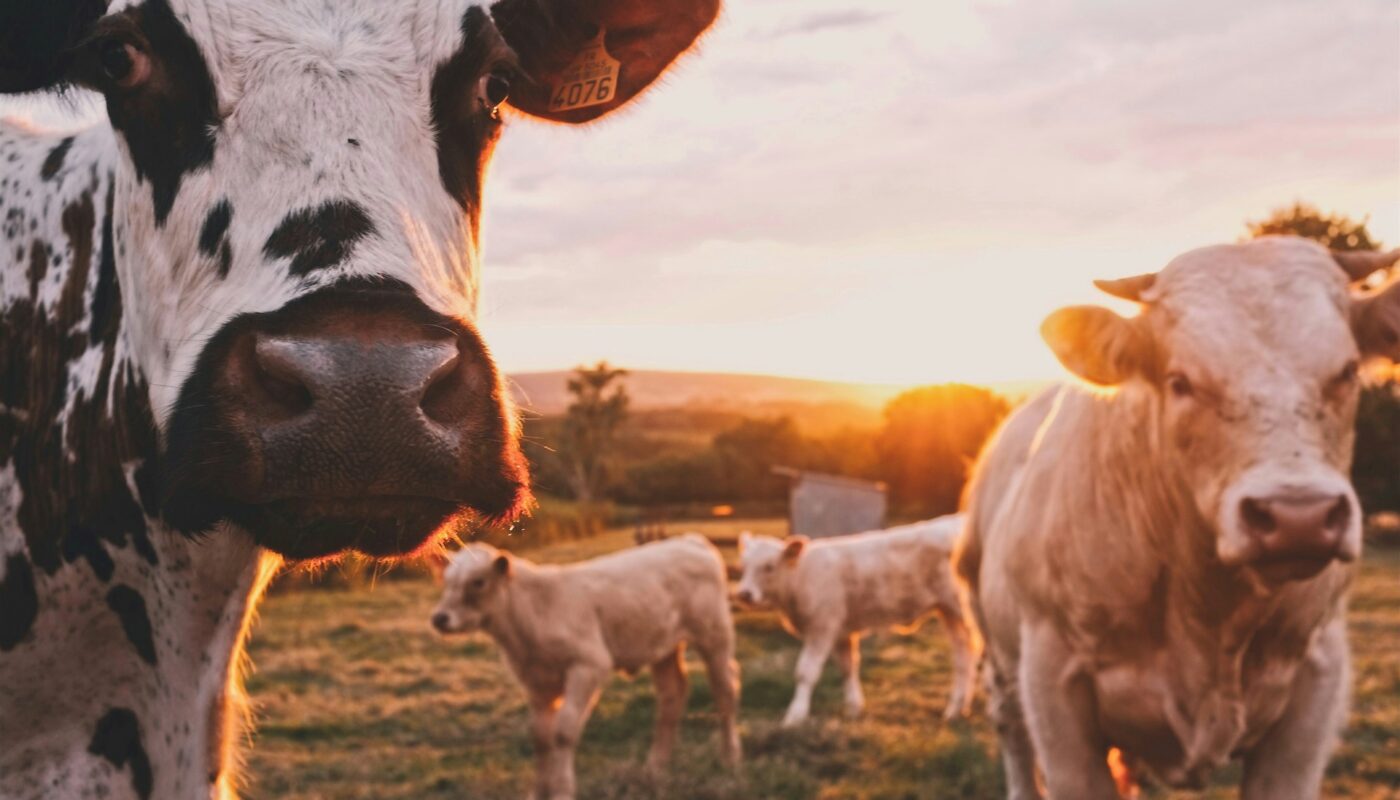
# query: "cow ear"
(584, 58)
(501, 565)
(1097, 344)
(793, 547)
(1375, 322)
(37, 38)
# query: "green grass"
(357, 698)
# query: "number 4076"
(595, 90)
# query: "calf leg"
(964, 663)
(1060, 708)
(1287, 764)
(848, 659)
(815, 648)
(543, 710)
(1017, 754)
(723, 673)
(668, 675)
(582, 684)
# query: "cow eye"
(122, 63)
(1179, 385)
(495, 88)
(479, 584)
(1349, 373)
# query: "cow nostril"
(451, 391)
(1257, 516)
(440, 621)
(279, 378)
(1339, 515)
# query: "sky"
(899, 192)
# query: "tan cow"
(1161, 565)
(832, 590)
(565, 629)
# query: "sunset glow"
(899, 194)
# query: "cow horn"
(1128, 288)
(1361, 264)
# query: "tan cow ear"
(1375, 322)
(793, 547)
(501, 565)
(570, 77)
(1097, 344)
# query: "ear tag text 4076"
(589, 81)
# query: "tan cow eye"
(1179, 385)
(1349, 373)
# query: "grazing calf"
(564, 630)
(830, 591)
(1161, 565)
(236, 324)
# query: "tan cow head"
(767, 563)
(1249, 357)
(472, 589)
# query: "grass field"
(357, 698)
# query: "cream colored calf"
(830, 591)
(565, 629)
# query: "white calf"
(832, 590)
(565, 629)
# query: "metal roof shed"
(822, 505)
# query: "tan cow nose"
(1297, 526)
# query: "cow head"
(295, 221)
(472, 589)
(1249, 358)
(767, 563)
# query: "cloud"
(831, 20)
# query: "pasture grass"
(357, 698)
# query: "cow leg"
(1287, 764)
(668, 676)
(848, 658)
(815, 648)
(1017, 754)
(964, 663)
(543, 710)
(723, 673)
(582, 685)
(1059, 703)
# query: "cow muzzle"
(1290, 531)
(358, 419)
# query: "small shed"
(832, 505)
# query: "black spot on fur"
(464, 132)
(317, 238)
(213, 237)
(216, 224)
(169, 125)
(19, 604)
(106, 301)
(118, 739)
(54, 162)
(130, 608)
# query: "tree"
(1376, 466)
(1337, 231)
(590, 427)
(930, 437)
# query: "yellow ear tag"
(589, 81)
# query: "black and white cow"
(236, 325)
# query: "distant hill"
(546, 392)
